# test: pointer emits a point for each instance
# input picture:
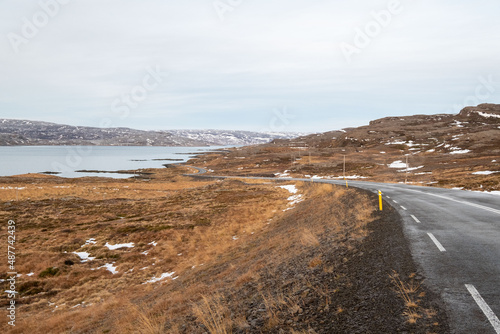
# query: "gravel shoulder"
(358, 295)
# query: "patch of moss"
(49, 272)
(30, 288)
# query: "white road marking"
(402, 207)
(388, 196)
(436, 242)
(463, 202)
(395, 201)
(415, 219)
(384, 185)
(487, 208)
(484, 307)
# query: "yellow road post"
(380, 200)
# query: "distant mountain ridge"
(30, 133)
(476, 129)
(233, 137)
(448, 150)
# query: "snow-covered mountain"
(233, 137)
(24, 132)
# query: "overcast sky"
(277, 65)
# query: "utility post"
(406, 172)
(346, 185)
(343, 169)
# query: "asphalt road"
(454, 237)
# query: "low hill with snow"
(24, 132)
(455, 151)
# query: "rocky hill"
(475, 130)
(23, 132)
(460, 151)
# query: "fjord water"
(66, 160)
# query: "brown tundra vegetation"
(172, 254)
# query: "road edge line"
(436, 242)
(488, 312)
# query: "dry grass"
(216, 236)
(192, 227)
(39, 187)
(144, 321)
(409, 292)
(309, 238)
(213, 313)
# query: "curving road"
(454, 237)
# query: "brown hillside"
(444, 150)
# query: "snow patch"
(494, 192)
(486, 172)
(110, 268)
(295, 199)
(484, 114)
(84, 256)
(291, 188)
(91, 241)
(117, 246)
(292, 200)
(410, 169)
(284, 174)
(410, 143)
(162, 276)
(456, 150)
(397, 164)
(397, 142)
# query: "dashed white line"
(402, 207)
(436, 242)
(388, 196)
(458, 201)
(484, 307)
(395, 201)
(415, 219)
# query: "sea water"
(67, 160)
